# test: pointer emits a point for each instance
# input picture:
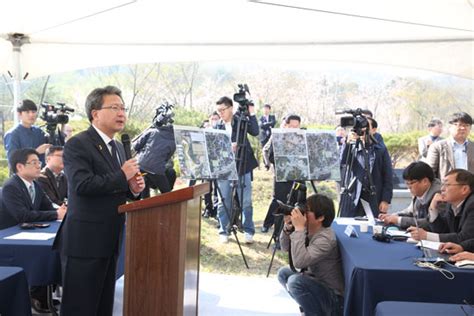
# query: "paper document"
(429, 244)
(349, 221)
(31, 236)
(465, 264)
(395, 232)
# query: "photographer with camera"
(155, 148)
(244, 157)
(26, 134)
(319, 287)
(366, 169)
(280, 189)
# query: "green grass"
(226, 258)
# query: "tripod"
(350, 177)
(296, 195)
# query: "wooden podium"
(162, 253)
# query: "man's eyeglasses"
(411, 182)
(34, 162)
(222, 109)
(115, 108)
(463, 125)
(444, 184)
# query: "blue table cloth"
(376, 271)
(420, 309)
(41, 263)
(14, 293)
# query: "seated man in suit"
(23, 198)
(420, 180)
(52, 178)
(456, 224)
(25, 201)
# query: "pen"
(142, 174)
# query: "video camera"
(300, 202)
(164, 114)
(241, 98)
(358, 122)
(56, 114)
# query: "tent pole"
(17, 40)
(16, 82)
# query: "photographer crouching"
(308, 237)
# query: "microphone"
(126, 146)
(415, 218)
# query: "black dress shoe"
(39, 307)
(264, 229)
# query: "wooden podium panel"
(162, 253)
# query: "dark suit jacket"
(252, 129)
(47, 181)
(96, 188)
(447, 228)
(468, 245)
(17, 206)
(266, 127)
(381, 178)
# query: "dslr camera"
(357, 121)
(164, 115)
(299, 190)
(241, 98)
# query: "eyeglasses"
(116, 108)
(222, 109)
(34, 162)
(444, 184)
(459, 125)
(411, 182)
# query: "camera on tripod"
(164, 115)
(300, 203)
(241, 98)
(358, 122)
(56, 114)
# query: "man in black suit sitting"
(23, 198)
(25, 201)
(52, 179)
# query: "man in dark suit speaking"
(99, 180)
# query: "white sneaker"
(248, 238)
(223, 239)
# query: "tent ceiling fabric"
(434, 35)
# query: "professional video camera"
(358, 122)
(241, 98)
(54, 115)
(297, 200)
(164, 114)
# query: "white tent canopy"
(59, 36)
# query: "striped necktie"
(31, 190)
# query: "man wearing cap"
(25, 134)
